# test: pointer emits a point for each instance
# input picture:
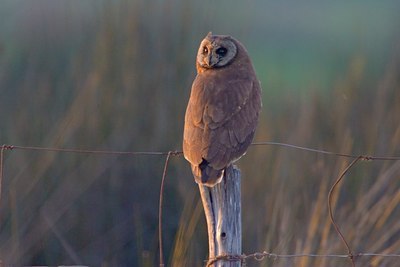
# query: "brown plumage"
(222, 113)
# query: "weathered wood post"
(222, 207)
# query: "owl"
(222, 113)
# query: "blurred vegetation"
(116, 75)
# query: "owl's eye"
(205, 50)
(221, 51)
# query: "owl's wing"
(231, 119)
(220, 120)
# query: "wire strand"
(332, 218)
(85, 151)
(259, 256)
(160, 239)
(1, 168)
(363, 157)
(177, 152)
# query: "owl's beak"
(209, 61)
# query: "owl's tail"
(206, 175)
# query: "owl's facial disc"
(216, 53)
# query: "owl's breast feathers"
(220, 122)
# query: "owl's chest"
(212, 86)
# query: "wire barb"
(7, 147)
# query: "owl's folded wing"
(220, 121)
(230, 127)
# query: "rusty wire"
(332, 218)
(260, 256)
(164, 175)
(87, 151)
(1, 167)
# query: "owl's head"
(216, 51)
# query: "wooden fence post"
(222, 207)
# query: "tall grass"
(118, 78)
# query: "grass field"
(116, 76)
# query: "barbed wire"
(87, 151)
(178, 152)
(332, 218)
(319, 151)
(3, 148)
(260, 256)
(226, 257)
(160, 239)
